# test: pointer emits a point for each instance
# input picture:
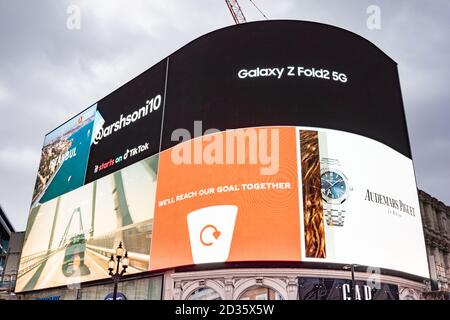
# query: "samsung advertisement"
(215, 155)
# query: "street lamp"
(112, 264)
(352, 268)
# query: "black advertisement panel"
(286, 73)
(341, 289)
(127, 124)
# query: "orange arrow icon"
(216, 234)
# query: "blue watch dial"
(333, 185)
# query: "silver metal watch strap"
(335, 217)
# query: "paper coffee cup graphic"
(210, 233)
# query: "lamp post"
(112, 264)
(352, 269)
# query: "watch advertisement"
(359, 198)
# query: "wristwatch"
(335, 191)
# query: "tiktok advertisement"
(128, 124)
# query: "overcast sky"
(48, 73)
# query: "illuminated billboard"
(357, 201)
(128, 124)
(285, 150)
(64, 157)
(222, 211)
(71, 238)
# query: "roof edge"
(283, 20)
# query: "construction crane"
(236, 11)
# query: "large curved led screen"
(293, 148)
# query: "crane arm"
(236, 12)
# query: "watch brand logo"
(389, 202)
(150, 106)
(210, 233)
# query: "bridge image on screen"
(71, 238)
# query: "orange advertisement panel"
(226, 197)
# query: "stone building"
(436, 225)
(6, 229)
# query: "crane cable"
(259, 9)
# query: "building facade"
(12, 262)
(142, 287)
(6, 230)
(436, 226)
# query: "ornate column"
(168, 285)
(229, 288)
(447, 264)
(441, 222)
(425, 207)
(292, 288)
(445, 226)
(434, 216)
(177, 290)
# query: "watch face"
(333, 185)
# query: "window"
(260, 293)
(140, 289)
(204, 294)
